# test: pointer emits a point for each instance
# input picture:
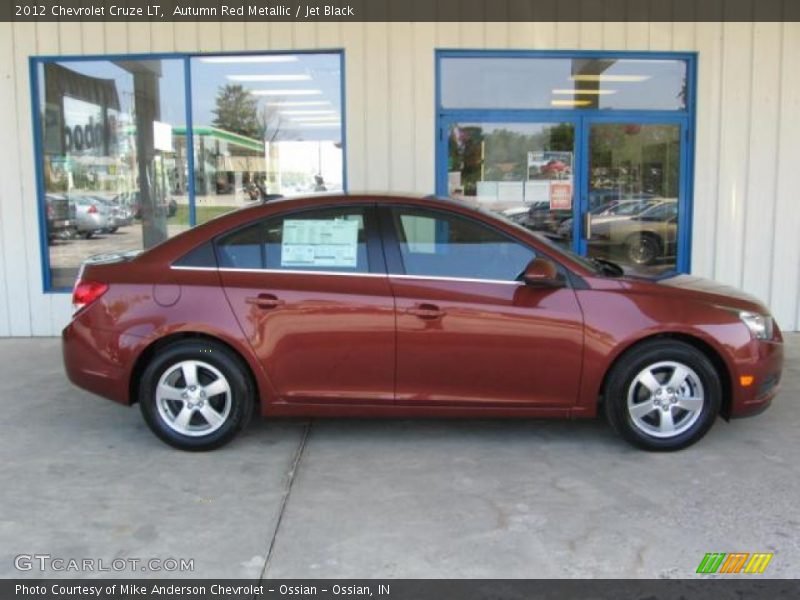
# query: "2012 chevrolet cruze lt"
(394, 306)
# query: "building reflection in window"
(114, 175)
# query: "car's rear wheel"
(663, 395)
(195, 395)
(642, 248)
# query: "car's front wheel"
(195, 395)
(663, 395)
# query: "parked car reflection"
(60, 217)
(614, 210)
(539, 217)
(645, 238)
(91, 215)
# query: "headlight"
(759, 325)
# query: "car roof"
(377, 197)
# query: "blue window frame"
(676, 117)
(82, 106)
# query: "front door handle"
(426, 311)
(265, 301)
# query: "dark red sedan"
(394, 306)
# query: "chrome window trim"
(395, 275)
(461, 279)
(276, 271)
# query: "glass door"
(605, 188)
(524, 170)
(632, 206)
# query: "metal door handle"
(587, 226)
(265, 301)
(426, 311)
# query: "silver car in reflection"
(119, 215)
(91, 215)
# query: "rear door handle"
(265, 301)
(426, 311)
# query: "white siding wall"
(747, 183)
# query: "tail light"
(86, 292)
(92, 209)
(50, 212)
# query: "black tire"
(642, 248)
(623, 376)
(221, 359)
(87, 234)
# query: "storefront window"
(586, 149)
(581, 82)
(265, 126)
(113, 174)
(114, 148)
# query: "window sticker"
(319, 243)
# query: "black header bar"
(745, 587)
(400, 10)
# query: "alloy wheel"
(193, 398)
(643, 250)
(665, 399)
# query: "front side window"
(332, 239)
(438, 244)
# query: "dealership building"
(667, 147)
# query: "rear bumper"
(92, 223)
(765, 365)
(94, 360)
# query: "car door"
(469, 332)
(311, 295)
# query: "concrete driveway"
(81, 477)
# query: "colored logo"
(735, 562)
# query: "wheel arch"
(712, 353)
(146, 355)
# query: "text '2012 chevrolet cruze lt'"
(396, 306)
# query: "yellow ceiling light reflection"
(608, 77)
(286, 92)
(300, 103)
(308, 112)
(565, 102)
(269, 58)
(585, 92)
(309, 119)
(270, 77)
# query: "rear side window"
(330, 239)
(438, 244)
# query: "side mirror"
(541, 272)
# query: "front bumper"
(765, 365)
